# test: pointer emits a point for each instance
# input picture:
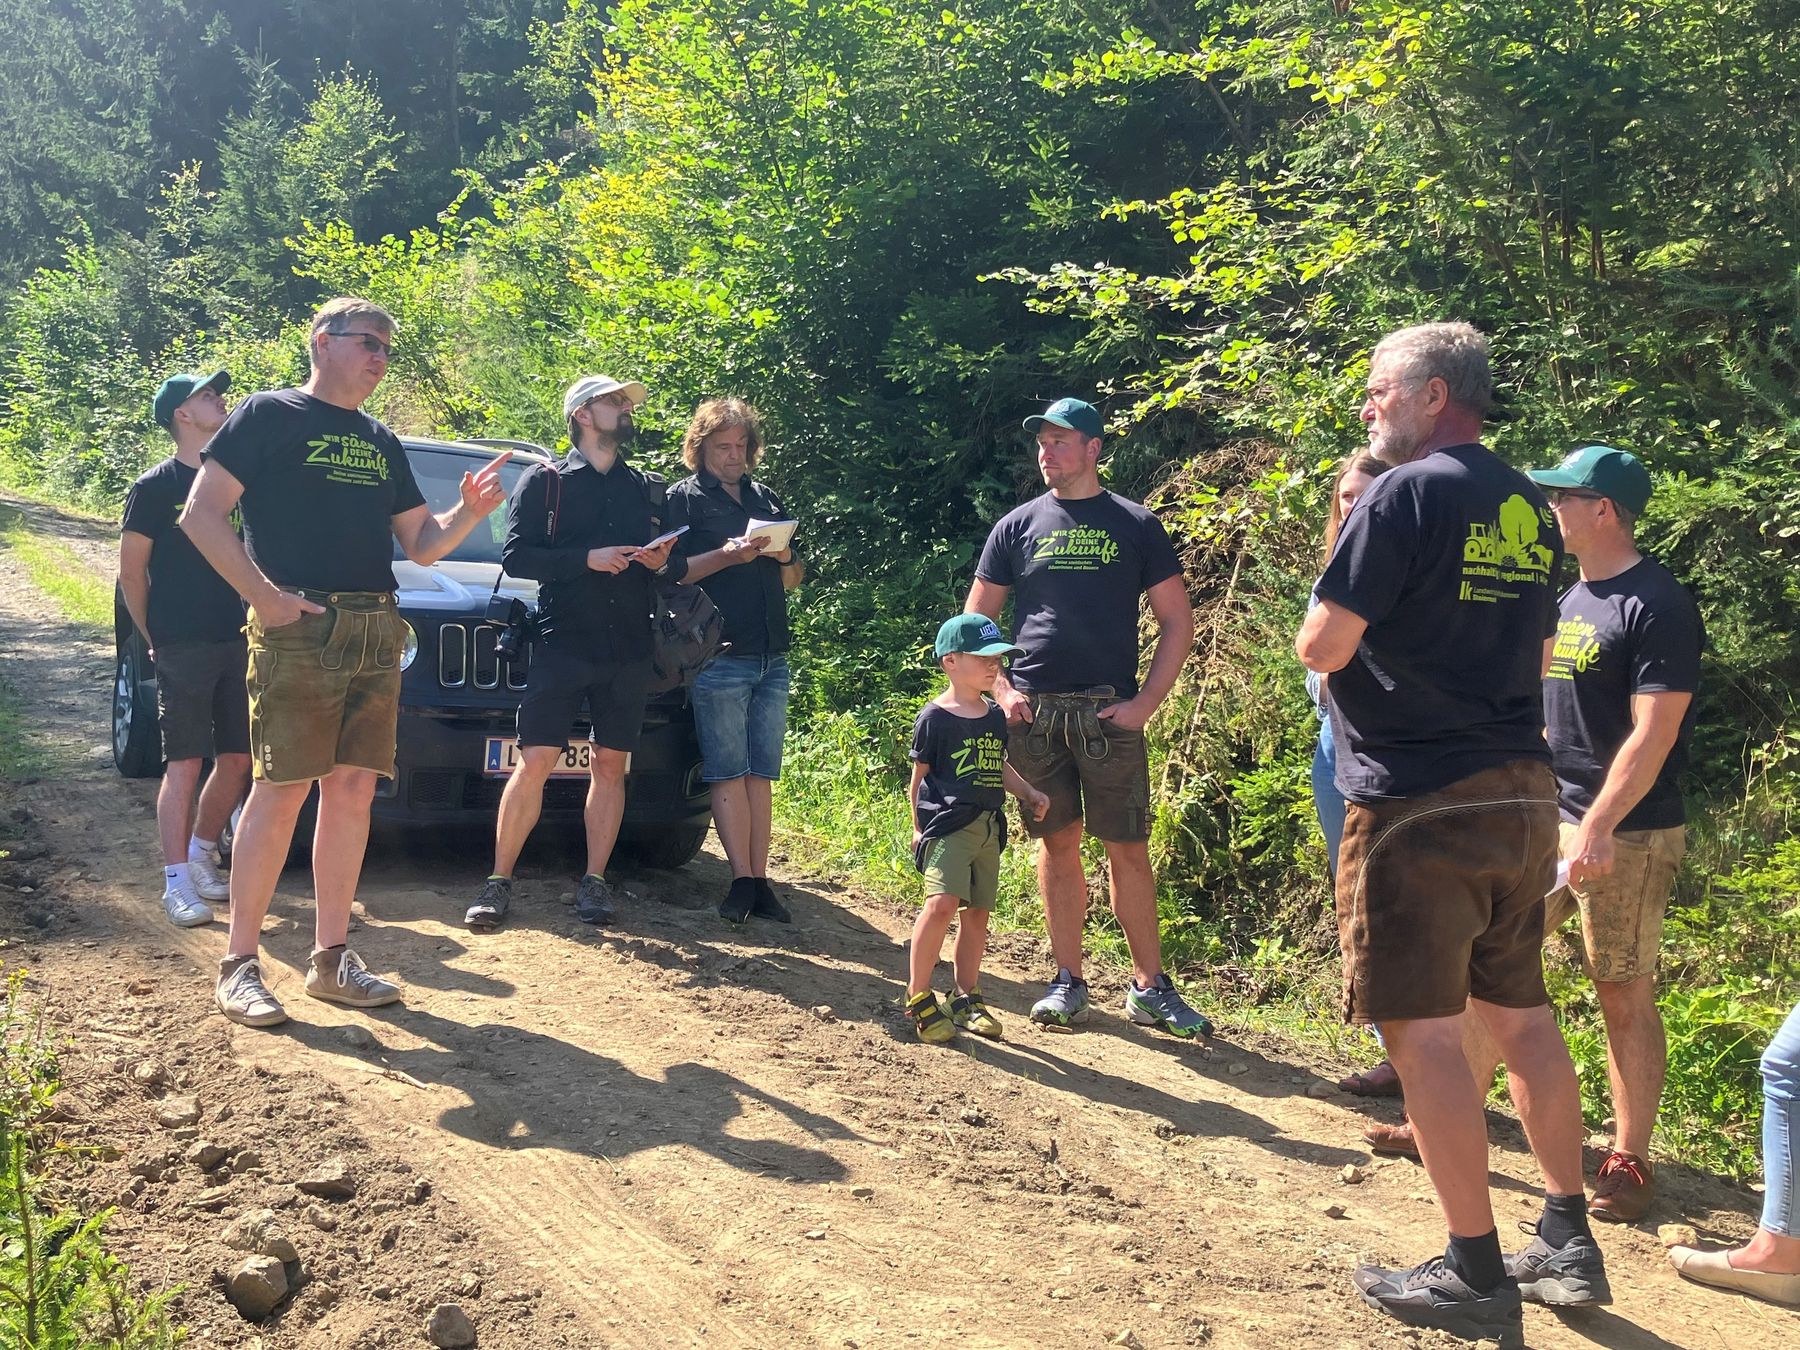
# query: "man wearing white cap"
(579, 528)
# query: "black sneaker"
(490, 905)
(1573, 1276)
(739, 900)
(594, 898)
(767, 906)
(1433, 1295)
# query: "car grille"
(468, 657)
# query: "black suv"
(459, 695)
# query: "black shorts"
(201, 699)
(615, 693)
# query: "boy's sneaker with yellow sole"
(970, 1012)
(929, 1019)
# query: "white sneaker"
(184, 908)
(245, 999)
(211, 881)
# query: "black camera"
(514, 619)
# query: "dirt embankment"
(673, 1133)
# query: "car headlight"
(409, 650)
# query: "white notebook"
(779, 533)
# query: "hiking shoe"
(184, 908)
(1433, 1295)
(928, 1018)
(490, 905)
(768, 905)
(245, 999)
(211, 881)
(739, 901)
(338, 975)
(1161, 1006)
(594, 899)
(1623, 1190)
(1573, 1276)
(1064, 1003)
(970, 1012)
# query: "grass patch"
(22, 752)
(58, 571)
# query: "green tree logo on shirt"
(1503, 553)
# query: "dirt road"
(672, 1133)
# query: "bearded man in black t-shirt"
(1435, 622)
(323, 489)
(193, 623)
(1081, 560)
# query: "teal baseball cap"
(1071, 413)
(178, 389)
(1617, 474)
(974, 635)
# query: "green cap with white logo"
(974, 635)
(1617, 474)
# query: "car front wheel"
(136, 737)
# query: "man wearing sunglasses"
(324, 489)
(1619, 704)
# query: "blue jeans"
(740, 715)
(1781, 1129)
(1327, 800)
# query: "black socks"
(1565, 1219)
(1478, 1261)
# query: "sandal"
(1380, 1081)
(929, 1019)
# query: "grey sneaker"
(338, 975)
(1161, 1006)
(490, 905)
(1064, 1003)
(184, 908)
(211, 881)
(1573, 1276)
(1433, 1295)
(245, 999)
(596, 899)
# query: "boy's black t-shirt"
(1450, 560)
(189, 602)
(965, 759)
(1636, 633)
(1078, 568)
(322, 485)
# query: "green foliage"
(59, 1289)
(62, 575)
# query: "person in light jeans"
(740, 699)
(1768, 1266)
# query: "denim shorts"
(740, 716)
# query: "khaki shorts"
(1622, 912)
(325, 689)
(965, 864)
(1440, 898)
(1092, 771)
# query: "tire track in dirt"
(672, 1124)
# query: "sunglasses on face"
(371, 344)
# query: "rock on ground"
(255, 1287)
(449, 1327)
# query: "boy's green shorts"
(965, 864)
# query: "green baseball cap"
(178, 389)
(1617, 474)
(1071, 413)
(975, 635)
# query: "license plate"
(503, 756)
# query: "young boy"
(959, 780)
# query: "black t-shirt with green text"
(321, 487)
(189, 602)
(1636, 633)
(1078, 568)
(965, 759)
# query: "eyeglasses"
(1560, 495)
(371, 344)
